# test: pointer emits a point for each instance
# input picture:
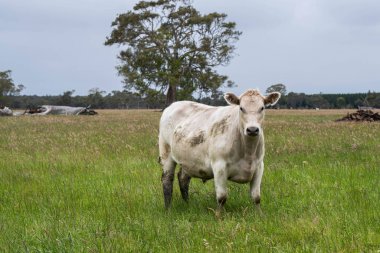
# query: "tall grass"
(92, 184)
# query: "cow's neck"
(250, 144)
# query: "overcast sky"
(311, 46)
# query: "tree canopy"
(66, 97)
(7, 86)
(170, 47)
(277, 87)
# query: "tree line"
(329, 101)
(98, 99)
(128, 100)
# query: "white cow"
(224, 143)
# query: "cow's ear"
(231, 98)
(272, 98)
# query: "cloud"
(309, 45)
(353, 13)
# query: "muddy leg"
(168, 167)
(184, 181)
(167, 181)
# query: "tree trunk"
(170, 95)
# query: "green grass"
(92, 184)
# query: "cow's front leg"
(255, 185)
(220, 180)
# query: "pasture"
(93, 184)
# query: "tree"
(296, 100)
(66, 97)
(341, 102)
(277, 88)
(373, 99)
(317, 101)
(7, 86)
(95, 98)
(118, 99)
(170, 47)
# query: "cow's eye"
(262, 109)
(241, 109)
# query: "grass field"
(92, 184)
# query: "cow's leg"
(168, 167)
(220, 180)
(167, 180)
(184, 181)
(255, 185)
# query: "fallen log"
(59, 110)
(5, 111)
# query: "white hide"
(214, 142)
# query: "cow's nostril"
(252, 131)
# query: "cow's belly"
(197, 164)
(194, 162)
(241, 171)
(199, 172)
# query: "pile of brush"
(361, 115)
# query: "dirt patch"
(197, 139)
(165, 154)
(361, 115)
(220, 127)
(178, 135)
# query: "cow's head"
(251, 109)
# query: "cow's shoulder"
(182, 110)
(190, 107)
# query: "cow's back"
(178, 112)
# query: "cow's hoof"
(259, 211)
(218, 214)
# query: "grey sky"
(310, 46)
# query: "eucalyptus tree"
(7, 86)
(169, 47)
(277, 88)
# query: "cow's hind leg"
(167, 181)
(168, 167)
(184, 181)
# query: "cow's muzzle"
(253, 131)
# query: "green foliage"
(330, 101)
(372, 99)
(95, 98)
(170, 47)
(7, 86)
(92, 184)
(340, 102)
(278, 88)
(66, 98)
